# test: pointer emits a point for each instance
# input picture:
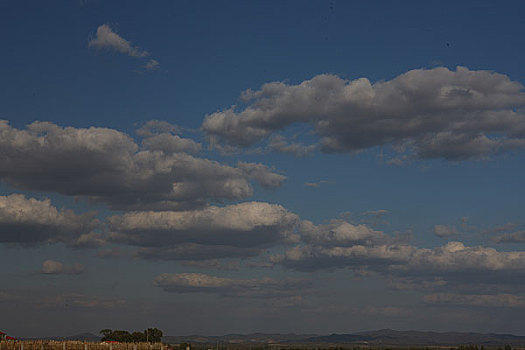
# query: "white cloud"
(510, 237)
(445, 231)
(52, 267)
(156, 127)
(249, 224)
(30, 221)
(196, 282)
(264, 175)
(105, 165)
(366, 251)
(152, 65)
(107, 39)
(434, 113)
(403, 259)
(280, 144)
(317, 184)
(169, 144)
(340, 233)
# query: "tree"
(184, 346)
(138, 337)
(153, 335)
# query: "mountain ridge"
(377, 337)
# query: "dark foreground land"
(386, 339)
(376, 339)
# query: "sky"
(214, 167)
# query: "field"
(76, 345)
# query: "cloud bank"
(29, 221)
(105, 165)
(424, 113)
(239, 230)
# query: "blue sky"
(227, 166)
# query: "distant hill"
(392, 337)
(84, 337)
(380, 337)
(258, 338)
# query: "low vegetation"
(150, 335)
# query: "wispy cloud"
(445, 231)
(480, 300)
(107, 39)
(318, 183)
(231, 287)
(152, 64)
(52, 267)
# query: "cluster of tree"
(184, 346)
(152, 335)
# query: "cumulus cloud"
(202, 283)
(162, 136)
(403, 259)
(155, 127)
(29, 221)
(508, 233)
(445, 231)
(279, 144)
(52, 267)
(366, 251)
(262, 174)
(512, 237)
(425, 113)
(105, 165)
(239, 230)
(340, 233)
(456, 257)
(107, 39)
(478, 300)
(169, 144)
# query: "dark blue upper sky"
(319, 203)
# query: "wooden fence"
(75, 345)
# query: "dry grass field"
(75, 345)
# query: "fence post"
(21, 345)
(64, 346)
(85, 346)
